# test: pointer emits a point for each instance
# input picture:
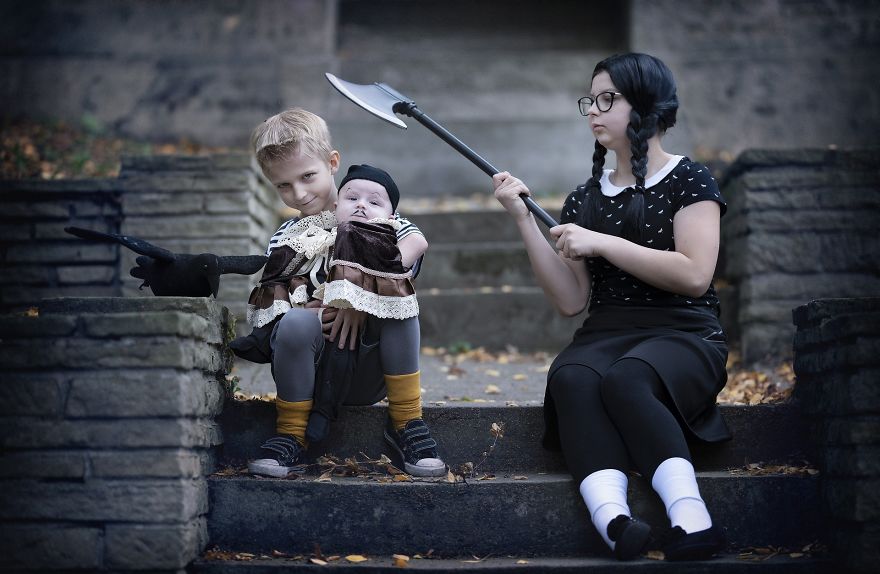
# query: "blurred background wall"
(503, 75)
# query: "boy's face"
(304, 182)
(362, 200)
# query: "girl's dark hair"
(648, 86)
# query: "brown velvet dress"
(350, 265)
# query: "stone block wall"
(38, 258)
(107, 432)
(837, 363)
(801, 225)
(187, 204)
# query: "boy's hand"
(346, 324)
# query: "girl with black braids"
(639, 243)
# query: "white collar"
(611, 190)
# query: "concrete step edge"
(721, 564)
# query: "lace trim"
(313, 241)
(393, 223)
(344, 294)
(299, 296)
(257, 317)
(323, 221)
(369, 271)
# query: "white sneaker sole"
(270, 467)
(426, 467)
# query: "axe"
(384, 101)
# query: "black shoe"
(700, 545)
(285, 455)
(415, 448)
(630, 536)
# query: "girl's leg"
(641, 408)
(596, 457)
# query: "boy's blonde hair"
(284, 134)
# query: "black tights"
(606, 421)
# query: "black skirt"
(685, 345)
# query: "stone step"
(527, 514)
(762, 433)
(376, 564)
(475, 264)
(494, 318)
(476, 227)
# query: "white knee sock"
(676, 483)
(604, 492)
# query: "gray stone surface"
(108, 432)
(39, 548)
(764, 433)
(781, 253)
(341, 514)
(169, 546)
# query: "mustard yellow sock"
(293, 418)
(404, 398)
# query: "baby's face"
(362, 200)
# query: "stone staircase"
(526, 506)
(521, 510)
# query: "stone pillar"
(198, 204)
(107, 432)
(801, 225)
(837, 363)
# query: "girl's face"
(362, 200)
(304, 182)
(609, 128)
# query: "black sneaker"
(286, 455)
(416, 448)
(630, 536)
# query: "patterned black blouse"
(679, 184)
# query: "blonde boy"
(295, 153)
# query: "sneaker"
(630, 536)
(416, 448)
(287, 455)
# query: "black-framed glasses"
(603, 101)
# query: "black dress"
(679, 336)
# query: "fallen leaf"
(400, 560)
(655, 555)
(519, 377)
(326, 477)
(403, 477)
(522, 561)
(355, 558)
(796, 555)
(317, 561)
(520, 477)
(492, 390)
(496, 430)
(493, 373)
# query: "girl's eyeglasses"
(603, 102)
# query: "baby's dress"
(349, 265)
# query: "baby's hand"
(347, 324)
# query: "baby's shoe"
(285, 455)
(415, 448)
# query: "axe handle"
(410, 109)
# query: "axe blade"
(376, 98)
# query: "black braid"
(588, 216)
(639, 131)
